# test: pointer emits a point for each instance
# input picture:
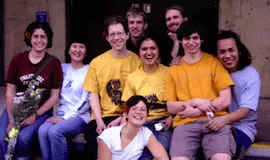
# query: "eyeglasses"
(119, 34)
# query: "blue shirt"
(246, 92)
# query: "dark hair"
(144, 38)
(133, 100)
(178, 8)
(36, 25)
(77, 38)
(115, 20)
(189, 27)
(245, 57)
(135, 11)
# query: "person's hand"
(176, 61)
(173, 36)
(189, 112)
(216, 123)
(29, 120)
(101, 126)
(55, 119)
(115, 122)
(167, 123)
(9, 127)
(203, 104)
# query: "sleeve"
(128, 90)
(222, 78)
(57, 74)
(251, 92)
(90, 82)
(64, 68)
(147, 133)
(105, 136)
(81, 107)
(170, 89)
(12, 71)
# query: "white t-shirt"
(73, 98)
(111, 137)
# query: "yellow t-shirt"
(203, 79)
(151, 86)
(106, 76)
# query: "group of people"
(128, 103)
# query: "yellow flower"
(13, 133)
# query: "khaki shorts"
(187, 139)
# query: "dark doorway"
(2, 69)
(88, 17)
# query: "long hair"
(245, 57)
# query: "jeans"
(25, 137)
(164, 137)
(52, 137)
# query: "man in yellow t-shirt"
(105, 80)
(199, 86)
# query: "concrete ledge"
(259, 149)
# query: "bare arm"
(95, 106)
(54, 97)
(218, 122)
(10, 93)
(175, 49)
(224, 99)
(104, 153)
(175, 107)
(237, 115)
(96, 109)
(156, 148)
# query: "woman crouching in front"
(128, 140)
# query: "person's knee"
(54, 133)
(42, 132)
(23, 140)
(221, 156)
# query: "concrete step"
(259, 149)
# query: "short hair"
(189, 27)
(178, 8)
(115, 20)
(245, 57)
(36, 25)
(135, 11)
(77, 38)
(133, 100)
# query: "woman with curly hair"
(22, 70)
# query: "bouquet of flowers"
(25, 104)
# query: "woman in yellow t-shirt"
(149, 81)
